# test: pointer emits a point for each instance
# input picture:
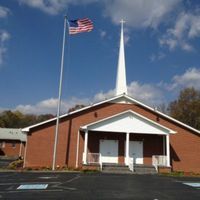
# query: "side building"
(12, 142)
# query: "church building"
(118, 131)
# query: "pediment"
(128, 121)
(122, 99)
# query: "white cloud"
(126, 36)
(139, 13)
(53, 7)
(168, 41)
(186, 28)
(150, 94)
(157, 57)
(103, 33)
(147, 93)
(4, 12)
(50, 106)
(191, 78)
(126, 39)
(4, 37)
(103, 96)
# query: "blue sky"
(162, 51)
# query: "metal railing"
(94, 158)
(131, 164)
(100, 162)
(159, 160)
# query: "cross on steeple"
(122, 21)
(121, 87)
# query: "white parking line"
(32, 187)
(72, 179)
(23, 191)
(193, 184)
(20, 183)
(47, 177)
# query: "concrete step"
(115, 168)
(122, 169)
(116, 172)
(144, 169)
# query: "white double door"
(136, 151)
(109, 151)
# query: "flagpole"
(59, 96)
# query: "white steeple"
(121, 87)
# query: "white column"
(127, 149)
(77, 148)
(85, 147)
(168, 150)
(26, 144)
(20, 150)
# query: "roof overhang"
(117, 99)
(12, 134)
(128, 121)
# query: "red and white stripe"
(84, 25)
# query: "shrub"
(16, 164)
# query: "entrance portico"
(133, 128)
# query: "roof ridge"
(26, 129)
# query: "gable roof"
(117, 99)
(128, 121)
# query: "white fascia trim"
(164, 115)
(128, 111)
(27, 129)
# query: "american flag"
(80, 25)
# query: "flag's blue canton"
(73, 23)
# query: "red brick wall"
(185, 145)
(40, 146)
(9, 149)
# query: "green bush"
(16, 164)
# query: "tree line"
(16, 119)
(186, 108)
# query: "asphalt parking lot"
(96, 186)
